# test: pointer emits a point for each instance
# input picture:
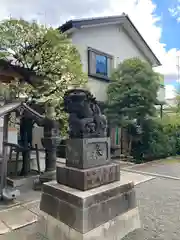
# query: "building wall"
(112, 40)
(161, 94)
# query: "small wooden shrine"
(8, 74)
(24, 149)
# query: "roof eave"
(78, 24)
(157, 61)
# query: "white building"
(105, 42)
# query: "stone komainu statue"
(85, 117)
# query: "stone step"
(22, 181)
(85, 179)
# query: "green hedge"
(160, 139)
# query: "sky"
(158, 21)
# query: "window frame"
(91, 64)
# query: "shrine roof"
(10, 107)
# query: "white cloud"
(50, 12)
(174, 10)
(140, 11)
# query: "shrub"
(159, 139)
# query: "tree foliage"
(47, 53)
(132, 94)
(160, 139)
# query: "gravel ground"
(166, 167)
(159, 204)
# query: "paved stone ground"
(19, 213)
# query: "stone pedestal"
(85, 179)
(49, 142)
(88, 201)
(107, 212)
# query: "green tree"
(132, 95)
(47, 53)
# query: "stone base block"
(87, 152)
(115, 229)
(85, 179)
(85, 211)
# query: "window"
(99, 64)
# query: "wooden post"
(5, 154)
(161, 111)
(24, 125)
